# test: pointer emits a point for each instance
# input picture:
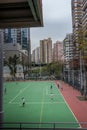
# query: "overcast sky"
(57, 22)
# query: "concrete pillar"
(1, 78)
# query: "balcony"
(84, 5)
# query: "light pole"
(81, 75)
(40, 70)
(72, 64)
(73, 77)
(68, 72)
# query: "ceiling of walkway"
(21, 13)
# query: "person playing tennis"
(23, 101)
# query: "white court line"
(69, 108)
(50, 93)
(17, 94)
(42, 106)
(46, 91)
(37, 103)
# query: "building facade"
(79, 22)
(68, 57)
(20, 35)
(58, 52)
(46, 51)
(37, 55)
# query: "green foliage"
(12, 64)
(55, 68)
(82, 41)
(25, 66)
(51, 69)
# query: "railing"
(43, 126)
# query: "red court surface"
(78, 107)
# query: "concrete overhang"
(21, 13)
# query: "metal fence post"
(54, 126)
(20, 126)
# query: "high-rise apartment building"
(58, 52)
(77, 23)
(68, 49)
(20, 35)
(42, 49)
(68, 58)
(46, 51)
(84, 17)
(84, 28)
(12, 36)
(25, 37)
(37, 55)
(33, 56)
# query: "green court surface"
(43, 105)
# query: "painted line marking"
(46, 91)
(42, 106)
(50, 93)
(70, 109)
(18, 94)
(37, 103)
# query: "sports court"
(44, 106)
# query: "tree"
(25, 65)
(83, 57)
(12, 64)
(55, 69)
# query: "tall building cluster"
(46, 53)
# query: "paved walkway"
(78, 107)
